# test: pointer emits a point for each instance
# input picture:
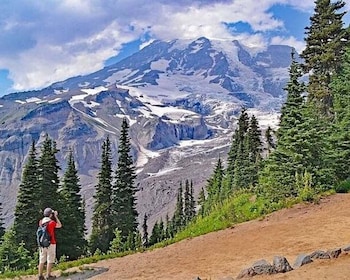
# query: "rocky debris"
(301, 260)
(334, 253)
(258, 268)
(319, 254)
(346, 248)
(281, 265)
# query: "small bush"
(343, 187)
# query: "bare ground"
(222, 255)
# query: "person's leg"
(42, 261)
(49, 268)
(51, 257)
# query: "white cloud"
(290, 41)
(54, 40)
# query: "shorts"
(47, 254)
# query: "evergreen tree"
(187, 203)
(325, 44)
(201, 201)
(48, 179)
(13, 256)
(155, 235)
(278, 175)
(300, 144)
(339, 154)
(145, 231)
(242, 165)
(27, 211)
(254, 150)
(72, 214)
(214, 185)
(161, 230)
(116, 244)
(2, 228)
(270, 143)
(124, 190)
(138, 241)
(102, 220)
(192, 211)
(178, 219)
(167, 227)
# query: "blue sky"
(42, 42)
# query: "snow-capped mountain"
(181, 99)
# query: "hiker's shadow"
(84, 274)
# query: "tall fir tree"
(48, 179)
(270, 142)
(2, 227)
(236, 148)
(145, 231)
(278, 174)
(254, 150)
(27, 211)
(201, 202)
(72, 214)
(155, 235)
(103, 226)
(326, 40)
(189, 207)
(339, 139)
(124, 190)
(178, 218)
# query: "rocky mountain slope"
(181, 99)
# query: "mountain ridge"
(181, 104)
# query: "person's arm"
(58, 222)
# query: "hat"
(48, 212)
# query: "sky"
(42, 42)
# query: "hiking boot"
(41, 277)
(50, 277)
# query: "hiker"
(48, 255)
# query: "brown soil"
(222, 255)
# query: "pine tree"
(270, 143)
(138, 241)
(214, 185)
(254, 150)
(325, 44)
(48, 179)
(27, 211)
(192, 211)
(339, 154)
(178, 219)
(145, 231)
(102, 220)
(238, 157)
(2, 228)
(278, 175)
(72, 214)
(13, 256)
(201, 201)
(187, 203)
(155, 235)
(124, 190)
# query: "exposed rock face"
(181, 100)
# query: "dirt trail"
(223, 254)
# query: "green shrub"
(343, 187)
